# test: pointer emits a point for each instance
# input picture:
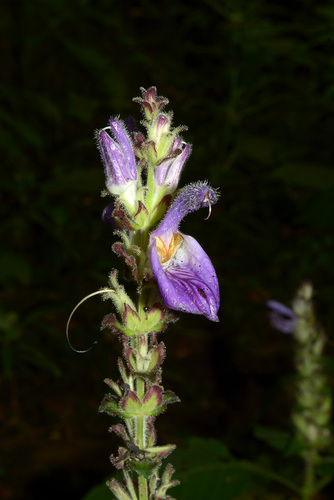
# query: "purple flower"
(119, 161)
(281, 317)
(167, 173)
(185, 275)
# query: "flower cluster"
(183, 271)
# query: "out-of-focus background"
(253, 81)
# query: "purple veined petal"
(115, 164)
(123, 140)
(168, 172)
(160, 171)
(185, 275)
(174, 170)
(281, 317)
(119, 162)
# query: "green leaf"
(275, 438)
(201, 469)
(143, 468)
(100, 492)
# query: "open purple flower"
(185, 275)
(119, 161)
(281, 317)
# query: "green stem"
(308, 488)
(141, 430)
(143, 491)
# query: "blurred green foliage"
(254, 83)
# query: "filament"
(105, 290)
(209, 205)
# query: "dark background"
(253, 81)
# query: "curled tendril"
(99, 292)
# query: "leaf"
(275, 438)
(326, 466)
(100, 492)
(201, 469)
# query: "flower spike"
(171, 271)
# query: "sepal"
(160, 209)
(150, 102)
(123, 220)
(158, 487)
(150, 362)
(115, 387)
(133, 323)
(142, 215)
(130, 261)
(120, 430)
(143, 468)
(110, 405)
(160, 452)
(120, 492)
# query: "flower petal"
(187, 279)
(119, 131)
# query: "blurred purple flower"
(281, 317)
(106, 216)
(118, 158)
(185, 275)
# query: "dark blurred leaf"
(276, 438)
(100, 492)
(200, 466)
(326, 466)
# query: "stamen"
(209, 205)
(105, 290)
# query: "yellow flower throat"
(165, 254)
